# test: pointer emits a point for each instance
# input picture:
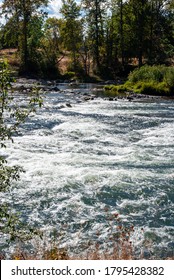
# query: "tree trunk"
(24, 38)
(121, 33)
(96, 43)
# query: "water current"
(82, 157)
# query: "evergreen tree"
(72, 29)
(95, 16)
(9, 34)
(160, 35)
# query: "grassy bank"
(149, 80)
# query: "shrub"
(151, 88)
(150, 80)
(119, 245)
(69, 75)
(148, 88)
(148, 73)
(169, 77)
(163, 89)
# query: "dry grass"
(118, 246)
(63, 64)
(11, 55)
(92, 254)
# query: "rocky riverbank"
(82, 92)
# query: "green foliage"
(169, 77)
(152, 80)
(152, 88)
(106, 38)
(9, 34)
(35, 34)
(95, 16)
(52, 34)
(148, 73)
(69, 75)
(71, 31)
(27, 15)
(50, 51)
(155, 74)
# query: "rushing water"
(97, 154)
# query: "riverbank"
(83, 91)
(153, 81)
(147, 81)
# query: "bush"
(69, 75)
(169, 77)
(151, 88)
(119, 89)
(151, 80)
(148, 73)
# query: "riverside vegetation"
(120, 246)
(149, 80)
(104, 38)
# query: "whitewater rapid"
(84, 157)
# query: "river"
(82, 157)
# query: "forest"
(106, 38)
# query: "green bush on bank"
(148, 73)
(150, 80)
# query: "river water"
(94, 155)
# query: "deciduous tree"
(24, 11)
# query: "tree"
(95, 13)
(51, 49)
(115, 36)
(52, 31)
(24, 11)
(149, 34)
(72, 29)
(121, 31)
(139, 13)
(9, 34)
(160, 36)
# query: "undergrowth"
(149, 80)
(118, 245)
(122, 243)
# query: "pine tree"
(95, 16)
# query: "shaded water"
(97, 154)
